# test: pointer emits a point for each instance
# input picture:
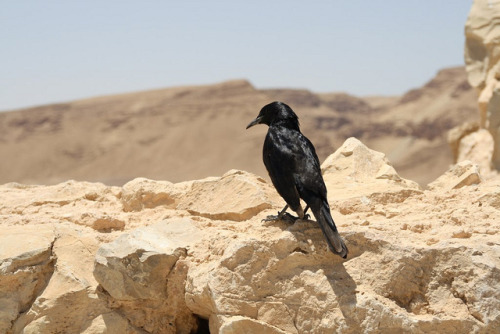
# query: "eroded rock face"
(465, 173)
(482, 46)
(143, 270)
(26, 264)
(197, 255)
(206, 198)
(356, 168)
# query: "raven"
(293, 165)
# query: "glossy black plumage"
(294, 169)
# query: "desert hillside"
(196, 257)
(185, 133)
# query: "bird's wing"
(279, 155)
(307, 174)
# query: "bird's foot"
(286, 217)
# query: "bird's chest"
(280, 146)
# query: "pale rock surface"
(26, 264)
(355, 166)
(482, 46)
(141, 270)
(68, 301)
(478, 148)
(455, 135)
(111, 323)
(197, 254)
(358, 176)
(465, 173)
(207, 198)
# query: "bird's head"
(274, 113)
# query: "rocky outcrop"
(482, 45)
(465, 173)
(143, 273)
(26, 265)
(196, 256)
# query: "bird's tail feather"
(334, 240)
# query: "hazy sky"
(55, 51)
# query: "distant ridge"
(190, 132)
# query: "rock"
(79, 203)
(142, 193)
(68, 300)
(463, 174)
(287, 284)
(239, 324)
(26, 264)
(482, 45)
(195, 256)
(455, 135)
(137, 262)
(110, 323)
(478, 148)
(355, 171)
(141, 269)
(237, 195)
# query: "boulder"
(358, 176)
(465, 173)
(478, 148)
(237, 195)
(288, 284)
(68, 300)
(455, 135)
(143, 270)
(26, 265)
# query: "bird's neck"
(287, 123)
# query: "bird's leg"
(277, 217)
(306, 216)
(282, 212)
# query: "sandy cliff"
(162, 257)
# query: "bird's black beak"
(254, 122)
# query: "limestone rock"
(142, 269)
(26, 264)
(465, 173)
(239, 324)
(482, 46)
(478, 148)
(68, 300)
(134, 265)
(196, 255)
(288, 284)
(356, 175)
(455, 135)
(110, 323)
(79, 203)
(143, 193)
(237, 195)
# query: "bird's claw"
(286, 217)
(270, 218)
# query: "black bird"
(293, 165)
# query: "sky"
(58, 51)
